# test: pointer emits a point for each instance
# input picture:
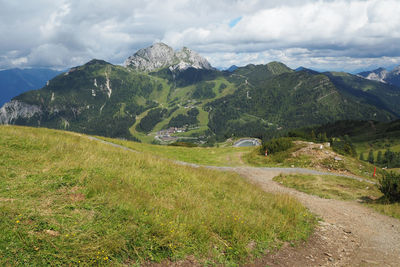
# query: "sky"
(324, 35)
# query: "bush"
(276, 145)
(184, 144)
(389, 185)
(343, 146)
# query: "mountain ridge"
(204, 103)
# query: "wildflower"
(105, 258)
(17, 221)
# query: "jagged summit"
(379, 74)
(383, 75)
(160, 55)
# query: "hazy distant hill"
(16, 81)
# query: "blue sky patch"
(235, 21)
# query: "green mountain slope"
(97, 98)
(289, 100)
(255, 100)
(384, 96)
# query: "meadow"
(68, 200)
(342, 188)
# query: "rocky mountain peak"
(375, 75)
(383, 75)
(160, 55)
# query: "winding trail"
(377, 236)
(350, 234)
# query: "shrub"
(184, 144)
(371, 158)
(343, 146)
(276, 145)
(389, 185)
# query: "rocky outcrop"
(383, 75)
(16, 109)
(161, 55)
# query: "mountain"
(153, 99)
(97, 98)
(271, 97)
(383, 75)
(301, 68)
(16, 81)
(381, 95)
(161, 55)
(232, 68)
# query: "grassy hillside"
(366, 135)
(341, 188)
(67, 200)
(208, 156)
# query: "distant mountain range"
(160, 89)
(383, 75)
(16, 81)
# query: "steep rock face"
(161, 55)
(375, 75)
(16, 109)
(383, 75)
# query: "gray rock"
(16, 109)
(161, 55)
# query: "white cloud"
(328, 34)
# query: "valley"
(165, 96)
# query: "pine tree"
(313, 135)
(324, 138)
(319, 137)
(362, 156)
(371, 157)
(379, 157)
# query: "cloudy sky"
(325, 35)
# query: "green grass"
(378, 145)
(139, 135)
(68, 200)
(214, 156)
(286, 159)
(336, 187)
(392, 209)
(329, 186)
(280, 159)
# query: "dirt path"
(350, 234)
